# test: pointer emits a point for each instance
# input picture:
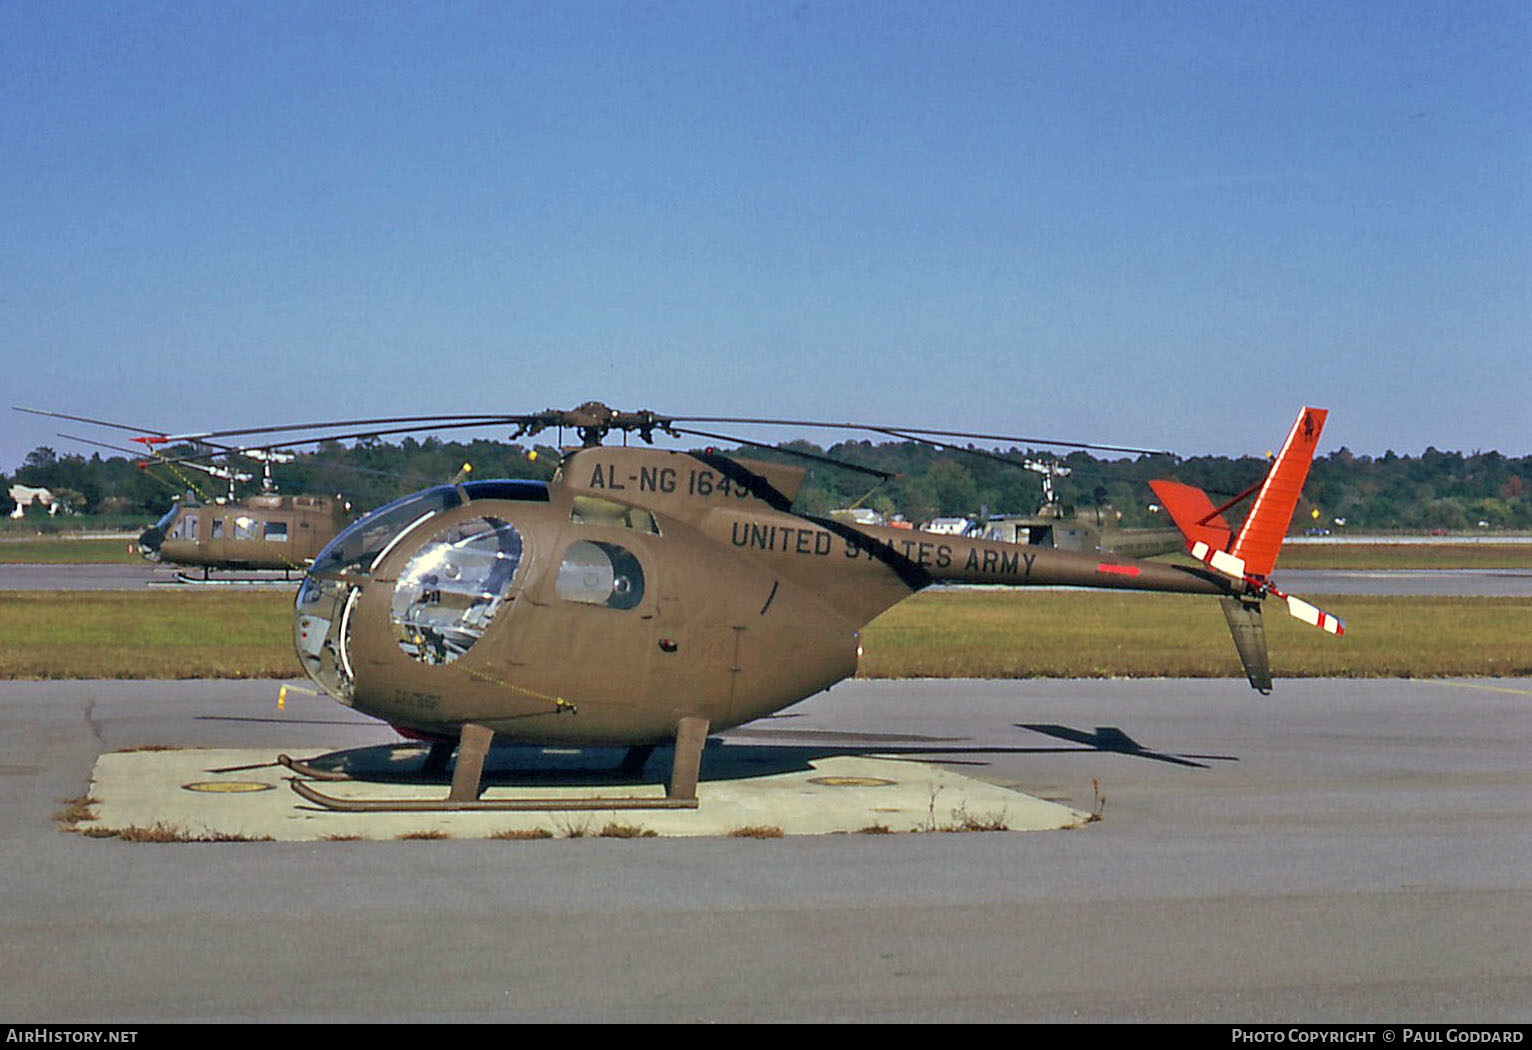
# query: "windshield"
(358, 546)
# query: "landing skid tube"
(227, 581)
(506, 805)
(467, 775)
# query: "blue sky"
(1150, 224)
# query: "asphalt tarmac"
(1340, 851)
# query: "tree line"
(1433, 491)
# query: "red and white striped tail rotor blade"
(1312, 614)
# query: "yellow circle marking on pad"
(227, 786)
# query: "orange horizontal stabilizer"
(1260, 538)
(1193, 513)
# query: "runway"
(1339, 851)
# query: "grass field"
(53, 550)
(961, 633)
(128, 634)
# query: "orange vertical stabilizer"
(1260, 538)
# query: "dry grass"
(756, 831)
(522, 834)
(162, 832)
(76, 811)
(429, 834)
(964, 821)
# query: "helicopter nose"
(149, 543)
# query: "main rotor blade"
(442, 422)
(86, 419)
(135, 453)
(880, 428)
(882, 475)
(952, 448)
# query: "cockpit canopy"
(359, 547)
(446, 594)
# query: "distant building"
(858, 515)
(948, 526)
(24, 495)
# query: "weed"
(614, 830)
(962, 820)
(76, 811)
(575, 828)
(425, 835)
(521, 834)
(162, 832)
(756, 831)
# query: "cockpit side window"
(600, 574)
(593, 510)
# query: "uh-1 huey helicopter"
(268, 530)
(1071, 527)
(645, 596)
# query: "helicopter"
(1069, 527)
(647, 596)
(268, 530)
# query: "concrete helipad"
(225, 794)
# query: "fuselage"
(637, 588)
(268, 531)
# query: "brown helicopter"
(645, 596)
(266, 531)
(1068, 527)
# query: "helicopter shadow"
(520, 765)
(1113, 740)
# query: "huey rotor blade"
(86, 419)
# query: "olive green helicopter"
(261, 532)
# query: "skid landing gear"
(467, 776)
